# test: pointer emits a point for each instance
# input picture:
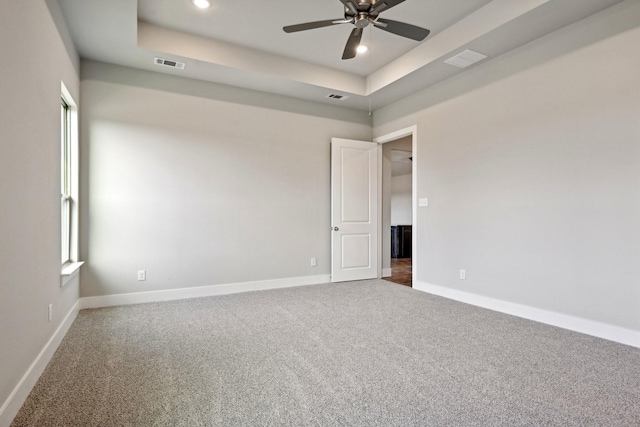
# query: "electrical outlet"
(314, 262)
(142, 275)
(50, 312)
(463, 274)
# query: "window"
(68, 187)
(65, 181)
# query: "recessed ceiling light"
(362, 48)
(202, 4)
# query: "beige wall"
(531, 163)
(401, 207)
(36, 61)
(202, 184)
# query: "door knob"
(335, 229)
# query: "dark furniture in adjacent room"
(400, 241)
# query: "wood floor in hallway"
(400, 271)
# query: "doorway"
(397, 213)
(398, 206)
(377, 256)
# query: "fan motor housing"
(362, 20)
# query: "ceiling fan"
(361, 13)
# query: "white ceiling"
(258, 24)
(241, 42)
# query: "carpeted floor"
(352, 354)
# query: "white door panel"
(354, 185)
(354, 210)
(356, 251)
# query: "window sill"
(68, 271)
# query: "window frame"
(66, 199)
(69, 186)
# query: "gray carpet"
(353, 354)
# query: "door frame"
(402, 133)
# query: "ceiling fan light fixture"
(362, 49)
(361, 13)
(201, 4)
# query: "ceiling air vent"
(466, 58)
(169, 63)
(337, 97)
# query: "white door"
(354, 210)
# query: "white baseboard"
(577, 324)
(16, 399)
(197, 292)
(386, 272)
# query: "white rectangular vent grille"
(466, 58)
(169, 63)
(337, 97)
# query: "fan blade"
(312, 25)
(353, 42)
(383, 5)
(402, 29)
(349, 4)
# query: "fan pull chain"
(370, 68)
